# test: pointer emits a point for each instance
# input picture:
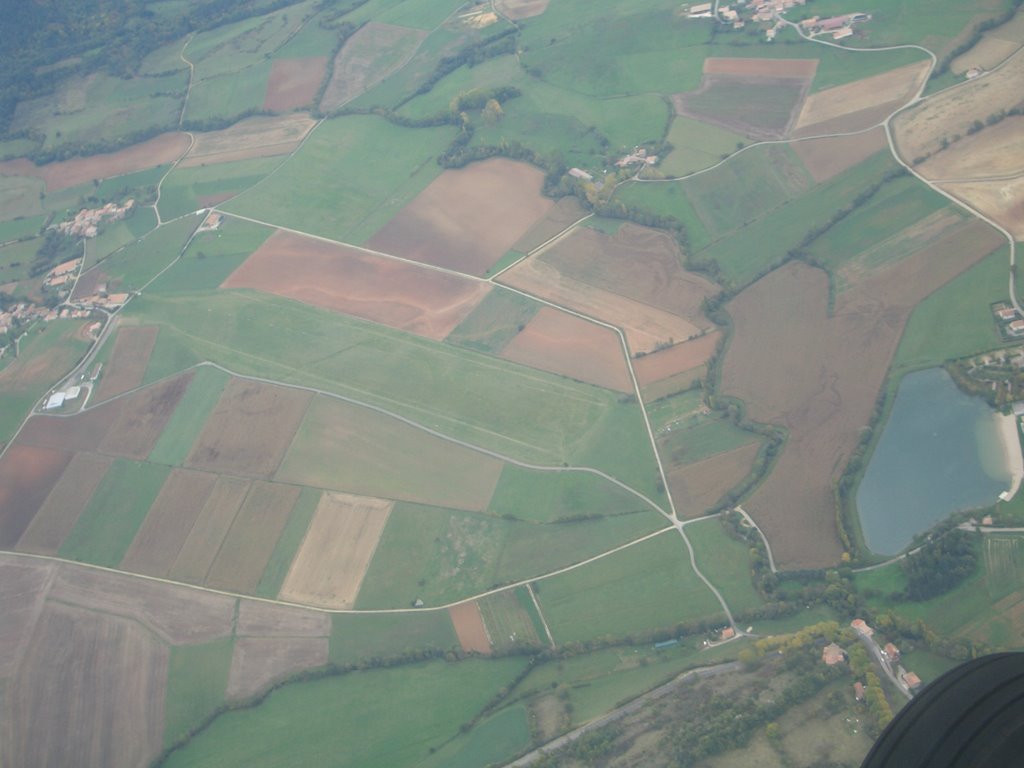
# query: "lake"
(940, 452)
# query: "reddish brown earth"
(682, 357)
(469, 627)
(293, 83)
(697, 487)
(27, 474)
(142, 417)
(825, 158)
(797, 68)
(128, 360)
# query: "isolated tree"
(492, 112)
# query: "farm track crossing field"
(259, 662)
(204, 540)
(345, 279)
(469, 627)
(27, 475)
(726, 562)
(828, 157)
(697, 487)
(294, 83)
(252, 137)
(664, 363)
(563, 213)
(127, 363)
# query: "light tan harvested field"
(821, 384)
(520, 9)
(142, 417)
(674, 384)
(88, 692)
(468, 218)
(165, 148)
(252, 137)
(27, 474)
(802, 69)
(469, 627)
(128, 360)
(989, 53)
(329, 567)
(562, 214)
(203, 541)
(250, 429)
(168, 523)
(352, 449)
(179, 615)
(561, 343)
(919, 131)
(259, 619)
(676, 359)
(59, 513)
(250, 541)
(998, 150)
(293, 83)
(855, 102)
(370, 55)
(398, 294)
(828, 157)
(1002, 201)
(23, 586)
(259, 662)
(697, 487)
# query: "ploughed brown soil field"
(697, 487)
(253, 137)
(520, 9)
(564, 212)
(250, 429)
(674, 384)
(168, 522)
(469, 627)
(27, 473)
(23, 585)
(996, 150)
(818, 376)
(802, 69)
(676, 359)
(568, 345)
(128, 360)
(387, 291)
(142, 417)
(81, 432)
(1002, 201)
(250, 541)
(259, 619)
(293, 83)
(259, 662)
(165, 148)
(87, 282)
(468, 218)
(329, 567)
(828, 157)
(59, 513)
(203, 541)
(756, 106)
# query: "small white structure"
(56, 401)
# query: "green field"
(697, 146)
(197, 678)
(494, 322)
(288, 543)
(726, 563)
(687, 432)
(494, 741)
(131, 184)
(20, 197)
(227, 97)
(21, 227)
(359, 637)
(302, 723)
(139, 262)
(119, 234)
(509, 624)
(212, 256)
(190, 189)
(470, 553)
(763, 108)
(646, 587)
(545, 497)
(189, 416)
(16, 259)
(108, 524)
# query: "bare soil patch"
(370, 55)
(996, 150)
(128, 360)
(329, 567)
(252, 137)
(250, 541)
(469, 627)
(293, 83)
(802, 69)
(169, 521)
(676, 359)
(828, 157)
(1002, 201)
(565, 212)
(27, 474)
(81, 432)
(69, 497)
(697, 487)
(259, 662)
(259, 619)
(23, 586)
(345, 279)
(757, 107)
(520, 9)
(203, 541)
(87, 283)
(988, 53)
(250, 429)
(675, 384)
(142, 417)
(468, 218)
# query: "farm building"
(56, 401)
(1004, 312)
(891, 652)
(861, 628)
(727, 634)
(832, 654)
(579, 173)
(911, 680)
(1016, 328)
(858, 691)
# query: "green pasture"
(493, 742)
(790, 624)
(189, 416)
(757, 106)
(119, 234)
(131, 184)
(394, 717)
(492, 73)
(669, 410)
(696, 146)
(197, 678)
(185, 188)
(212, 256)
(140, 261)
(925, 664)
(694, 438)
(725, 562)
(20, 197)
(327, 188)
(164, 59)
(16, 260)
(311, 40)
(12, 148)
(288, 543)
(21, 227)
(422, 14)
(547, 497)
(117, 508)
(228, 96)
(443, 555)
(643, 588)
(359, 637)
(494, 322)
(172, 354)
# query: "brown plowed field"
(468, 218)
(250, 429)
(998, 150)
(757, 107)
(802, 69)
(203, 541)
(89, 692)
(520, 9)
(180, 615)
(570, 346)
(854, 121)
(563, 213)
(128, 360)
(370, 55)
(59, 513)
(168, 523)
(142, 417)
(1002, 201)
(329, 567)
(81, 432)
(469, 627)
(250, 541)
(669, 362)
(252, 137)
(293, 83)
(259, 662)
(23, 586)
(259, 619)
(697, 487)
(165, 148)
(674, 384)
(27, 474)
(387, 291)
(87, 282)
(825, 158)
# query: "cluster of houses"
(1009, 322)
(888, 656)
(767, 11)
(61, 274)
(837, 26)
(638, 156)
(87, 221)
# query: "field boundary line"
(543, 621)
(541, 248)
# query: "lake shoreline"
(1013, 458)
